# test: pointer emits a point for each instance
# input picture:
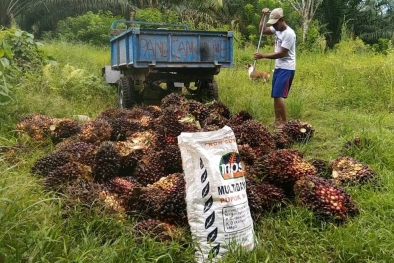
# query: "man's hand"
(258, 56)
(265, 11)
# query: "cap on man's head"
(275, 15)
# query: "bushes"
(89, 28)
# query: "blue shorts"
(281, 82)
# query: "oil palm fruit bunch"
(197, 109)
(263, 197)
(79, 151)
(347, 170)
(298, 131)
(36, 126)
(120, 127)
(282, 141)
(283, 168)
(256, 135)
(81, 192)
(112, 201)
(326, 199)
(155, 229)
(151, 167)
(62, 128)
(129, 155)
(113, 113)
(219, 108)
(322, 166)
(123, 186)
(43, 166)
(96, 131)
(106, 163)
(146, 139)
(164, 199)
(58, 178)
(214, 119)
(239, 117)
(174, 120)
(173, 99)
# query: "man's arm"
(267, 29)
(280, 54)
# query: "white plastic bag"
(217, 204)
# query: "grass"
(343, 94)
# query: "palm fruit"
(152, 110)
(112, 201)
(129, 154)
(173, 99)
(256, 135)
(347, 170)
(263, 197)
(282, 141)
(49, 163)
(106, 162)
(123, 186)
(36, 126)
(155, 229)
(120, 127)
(211, 127)
(239, 117)
(96, 131)
(197, 109)
(81, 152)
(70, 171)
(146, 139)
(322, 166)
(247, 154)
(219, 108)
(175, 120)
(172, 159)
(113, 113)
(151, 167)
(214, 119)
(326, 199)
(298, 131)
(283, 168)
(63, 128)
(81, 192)
(164, 199)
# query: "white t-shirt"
(286, 39)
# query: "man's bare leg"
(280, 112)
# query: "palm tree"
(9, 9)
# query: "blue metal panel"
(114, 53)
(142, 48)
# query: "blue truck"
(152, 60)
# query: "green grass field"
(342, 93)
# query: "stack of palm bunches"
(128, 160)
(347, 170)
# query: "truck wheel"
(207, 91)
(126, 93)
(213, 91)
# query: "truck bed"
(169, 49)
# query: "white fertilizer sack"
(217, 204)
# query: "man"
(285, 61)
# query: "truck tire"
(212, 91)
(126, 93)
(207, 90)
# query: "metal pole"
(261, 36)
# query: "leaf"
(5, 62)
(208, 204)
(212, 235)
(204, 176)
(2, 52)
(205, 190)
(210, 220)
